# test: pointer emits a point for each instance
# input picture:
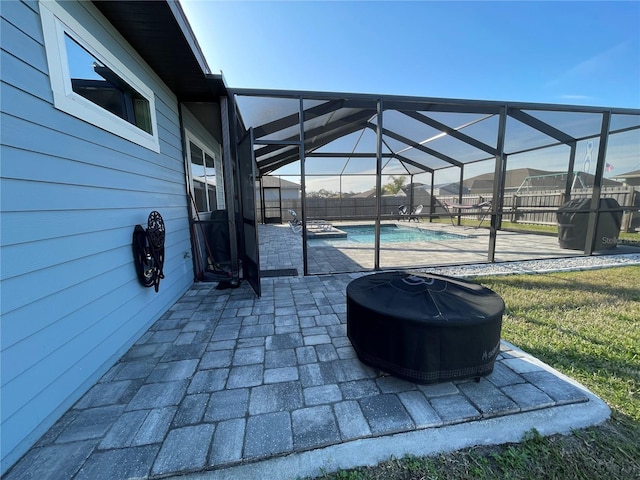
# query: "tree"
(395, 184)
(322, 193)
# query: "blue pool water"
(388, 234)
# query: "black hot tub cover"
(424, 327)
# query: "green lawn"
(586, 325)
(526, 227)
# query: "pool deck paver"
(281, 248)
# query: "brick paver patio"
(226, 379)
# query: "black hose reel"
(148, 251)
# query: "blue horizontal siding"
(19, 290)
(70, 172)
(73, 197)
(24, 315)
(25, 377)
(25, 77)
(71, 194)
(22, 12)
(21, 226)
(22, 44)
(22, 259)
(58, 134)
(47, 386)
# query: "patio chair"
(484, 207)
(417, 210)
(403, 211)
(296, 224)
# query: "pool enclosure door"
(272, 205)
(249, 252)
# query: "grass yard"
(586, 325)
(629, 237)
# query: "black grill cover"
(424, 328)
(572, 225)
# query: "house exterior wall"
(71, 194)
(288, 190)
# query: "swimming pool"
(388, 234)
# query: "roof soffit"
(160, 33)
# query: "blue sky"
(580, 53)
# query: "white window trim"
(217, 162)
(220, 192)
(56, 22)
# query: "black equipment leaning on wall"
(148, 251)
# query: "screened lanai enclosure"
(356, 182)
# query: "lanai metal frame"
(291, 126)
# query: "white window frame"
(56, 22)
(217, 163)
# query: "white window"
(207, 182)
(90, 83)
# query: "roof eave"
(160, 33)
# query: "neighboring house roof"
(160, 33)
(365, 194)
(372, 193)
(450, 188)
(415, 186)
(270, 181)
(632, 174)
(515, 178)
